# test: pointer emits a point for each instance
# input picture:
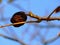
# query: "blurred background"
(43, 33)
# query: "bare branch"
(10, 38)
(42, 19)
(52, 40)
(55, 10)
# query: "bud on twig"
(57, 9)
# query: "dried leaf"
(59, 34)
(57, 9)
(18, 17)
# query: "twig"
(39, 19)
(20, 41)
(42, 19)
(58, 8)
(52, 40)
(18, 23)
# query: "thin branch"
(52, 40)
(42, 19)
(39, 19)
(18, 23)
(8, 37)
(55, 10)
(20, 41)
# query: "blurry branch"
(53, 39)
(0, 1)
(5, 19)
(35, 33)
(50, 40)
(48, 26)
(2, 12)
(20, 41)
(2, 18)
(18, 6)
(8, 37)
(47, 30)
(10, 1)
